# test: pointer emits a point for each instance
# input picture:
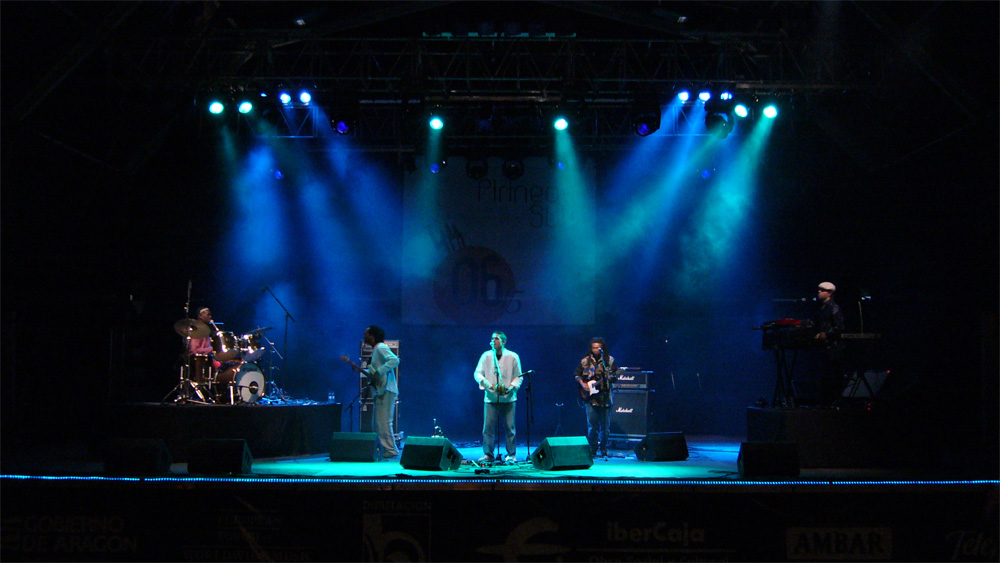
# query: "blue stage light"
(245, 107)
(683, 95)
(436, 123)
(216, 107)
(771, 112)
(285, 98)
(560, 124)
(342, 127)
(305, 97)
(705, 96)
(741, 110)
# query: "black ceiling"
(109, 80)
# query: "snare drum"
(244, 384)
(226, 346)
(201, 368)
(250, 346)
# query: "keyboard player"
(829, 325)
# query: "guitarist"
(594, 375)
(383, 377)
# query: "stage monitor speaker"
(570, 452)
(662, 446)
(768, 459)
(430, 454)
(208, 457)
(140, 456)
(629, 413)
(353, 446)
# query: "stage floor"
(60, 505)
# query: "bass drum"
(240, 385)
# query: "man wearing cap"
(829, 325)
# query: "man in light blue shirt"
(498, 374)
(383, 371)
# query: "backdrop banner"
(517, 251)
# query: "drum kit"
(229, 376)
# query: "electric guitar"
(593, 388)
(372, 375)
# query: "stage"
(62, 502)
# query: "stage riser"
(126, 521)
(269, 430)
(851, 438)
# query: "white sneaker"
(510, 459)
(486, 459)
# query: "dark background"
(98, 243)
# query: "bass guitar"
(372, 376)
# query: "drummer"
(202, 346)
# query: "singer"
(594, 375)
(498, 374)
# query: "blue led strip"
(439, 481)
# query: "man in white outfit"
(499, 376)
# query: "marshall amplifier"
(629, 414)
(633, 378)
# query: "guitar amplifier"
(629, 414)
(633, 378)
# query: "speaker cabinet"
(554, 454)
(629, 413)
(768, 459)
(662, 446)
(353, 446)
(209, 457)
(430, 454)
(128, 456)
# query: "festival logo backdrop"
(488, 250)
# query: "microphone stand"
(284, 358)
(529, 408)
(270, 368)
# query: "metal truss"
(384, 82)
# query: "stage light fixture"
(560, 123)
(771, 111)
(437, 166)
(436, 123)
(513, 168)
(718, 117)
(216, 107)
(305, 97)
(684, 96)
(285, 98)
(476, 168)
(341, 127)
(704, 95)
(245, 107)
(741, 110)
(647, 118)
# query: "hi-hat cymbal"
(193, 328)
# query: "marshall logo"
(624, 377)
(623, 409)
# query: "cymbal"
(262, 329)
(193, 328)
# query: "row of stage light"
(719, 112)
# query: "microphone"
(527, 372)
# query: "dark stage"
(751, 204)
